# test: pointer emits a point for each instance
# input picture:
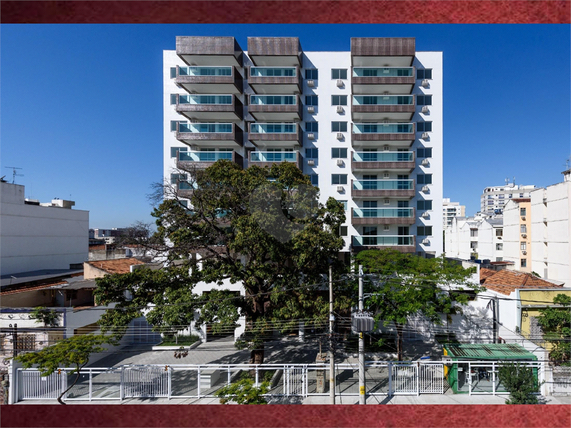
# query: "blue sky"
(82, 105)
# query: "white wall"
(36, 237)
(512, 233)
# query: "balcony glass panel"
(272, 71)
(221, 128)
(382, 128)
(382, 156)
(273, 157)
(205, 71)
(204, 156)
(205, 99)
(273, 128)
(380, 240)
(383, 212)
(383, 72)
(380, 100)
(185, 185)
(383, 185)
(272, 100)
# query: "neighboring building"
(476, 238)
(451, 210)
(108, 235)
(364, 125)
(517, 233)
(40, 236)
(100, 268)
(493, 199)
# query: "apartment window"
(424, 100)
(344, 202)
(474, 233)
(499, 232)
(424, 153)
(523, 228)
(424, 178)
(173, 99)
(523, 246)
(523, 263)
(338, 178)
(424, 230)
(521, 195)
(175, 178)
(174, 125)
(314, 179)
(338, 100)
(311, 100)
(424, 126)
(386, 227)
(522, 212)
(387, 202)
(402, 204)
(173, 72)
(499, 259)
(339, 73)
(423, 205)
(338, 126)
(499, 247)
(311, 73)
(311, 153)
(175, 150)
(338, 153)
(424, 74)
(311, 126)
(343, 231)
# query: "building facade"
(493, 199)
(364, 125)
(451, 210)
(518, 234)
(477, 238)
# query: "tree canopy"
(555, 322)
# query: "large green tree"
(403, 285)
(555, 322)
(261, 227)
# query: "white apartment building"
(364, 125)
(451, 210)
(478, 237)
(40, 236)
(518, 234)
(493, 199)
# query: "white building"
(364, 125)
(451, 210)
(479, 237)
(493, 199)
(40, 236)
(518, 234)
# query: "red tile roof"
(26, 289)
(116, 265)
(507, 281)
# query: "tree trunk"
(72, 385)
(257, 355)
(399, 341)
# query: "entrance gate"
(149, 381)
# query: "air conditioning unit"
(425, 109)
(523, 218)
(339, 188)
(311, 162)
(425, 241)
(386, 148)
(545, 219)
(311, 136)
(524, 252)
(499, 237)
(194, 147)
(523, 235)
(339, 135)
(425, 162)
(424, 189)
(425, 136)
(310, 83)
(425, 83)
(425, 214)
(340, 162)
(311, 109)
(340, 109)
(340, 83)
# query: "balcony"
(201, 160)
(382, 52)
(383, 107)
(274, 80)
(210, 134)
(382, 188)
(403, 243)
(275, 134)
(210, 107)
(209, 51)
(398, 161)
(392, 80)
(369, 134)
(213, 80)
(184, 189)
(372, 216)
(275, 107)
(275, 51)
(268, 159)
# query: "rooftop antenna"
(14, 173)
(507, 181)
(514, 180)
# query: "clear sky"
(82, 105)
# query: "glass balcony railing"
(204, 156)
(382, 100)
(205, 99)
(383, 128)
(380, 240)
(273, 128)
(383, 212)
(272, 100)
(272, 72)
(185, 185)
(218, 128)
(383, 185)
(382, 156)
(383, 72)
(273, 157)
(205, 71)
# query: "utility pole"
(15, 341)
(362, 392)
(331, 357)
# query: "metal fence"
(286, 380)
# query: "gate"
(404, 378)
(33, 386)
(295, 381)
(145, 381)
(431, 378)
